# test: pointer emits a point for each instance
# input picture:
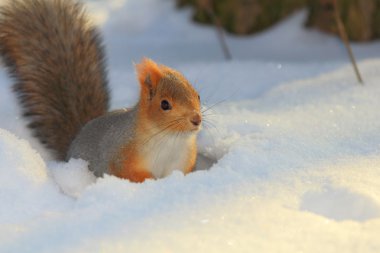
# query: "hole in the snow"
(212, 146)
(340, 204)
(204, 162)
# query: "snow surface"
(290, 160)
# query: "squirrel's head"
(167, 99)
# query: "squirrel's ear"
(149, 74)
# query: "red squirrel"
(57, 62)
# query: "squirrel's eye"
(165, 105)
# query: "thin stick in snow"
(219, 30)
(344, 37)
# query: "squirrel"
(57, 61)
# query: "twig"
(219, 30)
(344, 37)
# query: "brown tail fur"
(56, 60)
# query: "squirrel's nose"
(196, 120)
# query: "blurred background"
(242, 17)
(267, 30)
(182, 32)
(275, 31)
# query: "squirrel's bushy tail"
(55, 57)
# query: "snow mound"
(26, 188)
(20, 161)
(72, 177)
(301, 170)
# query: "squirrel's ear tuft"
(149, 74)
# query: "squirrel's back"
(100, 139)
(56, 60)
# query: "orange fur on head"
(148, 74)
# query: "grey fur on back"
(102, 137)
(55, 57)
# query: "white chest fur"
(164, 154)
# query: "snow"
(290, 159)
(26, 188)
